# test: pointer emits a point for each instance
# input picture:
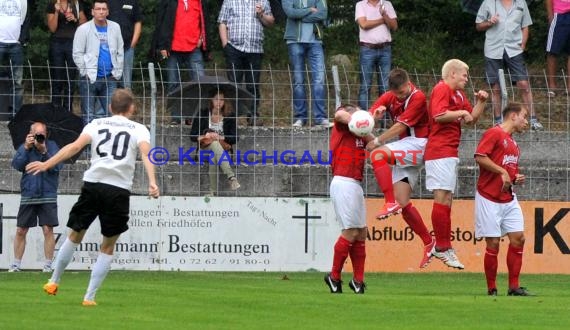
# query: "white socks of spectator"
(62, 259)
(98, 274)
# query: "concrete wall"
(544, 160)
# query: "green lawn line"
(216, 300)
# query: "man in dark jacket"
(38, 202)
(180, 39)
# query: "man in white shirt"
(375, 19)
(115, 142)
(12, 19)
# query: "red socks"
(383, 175)
(357, 251)
(358, 256)
(514, 264)
(491, 264)
(341, 249)
(441, 222)
(414, 220)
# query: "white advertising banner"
(196, 233)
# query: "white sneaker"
(325, 123)
(449, 258)
(14, 269)
(234, 183)
(298, 123)
(47, 269)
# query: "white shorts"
(442, 173)
(348, 201)
(497, 219)
(409, 154)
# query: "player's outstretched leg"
(62, 259)
(416, 223)
(383, 175)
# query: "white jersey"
(12, 16)
(114, 149)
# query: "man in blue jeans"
(303, 33)
(375, 20)
(12, 31)
(98, 54)
(128, 13)
(181, 39)
(241, 26)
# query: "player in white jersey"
(115, 142)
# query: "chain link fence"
(274, 167)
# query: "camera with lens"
(40, 138)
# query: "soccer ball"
(361, 123)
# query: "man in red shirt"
(497, 211)
(407, 107)
(180, 38)
(449, 108)
(347, 164)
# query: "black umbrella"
(471, 6)
(63, 127)
(196, 95)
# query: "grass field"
(206, 300)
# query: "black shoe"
(519, 292)
(492, 292)
(334, 286)
(357, 287)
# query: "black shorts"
(108, 202)
(30, 215)
(515, 66)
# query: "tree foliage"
(429, 33)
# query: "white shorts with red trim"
(348, 201)
(494, 219)
(442, 173)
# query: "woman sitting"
(214, 128)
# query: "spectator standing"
(181, 40)
(128, 14)
(214, 128)
(558, 40)
(62, 18)
(449, 108)
(13, 32)
(241, 25)
(38, 203)
(375, 19)
(304, 35)
(106, 186)
(347, 165)
(506, 25)
(397, 164)
(98, 54)
(497, 210)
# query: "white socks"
(62, 259)
(98, 274)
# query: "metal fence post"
(152, 104)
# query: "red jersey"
(187, 28)
(348, 153)
(411, 111)
(502, 149)
(444, 138)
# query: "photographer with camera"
(38, 203)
